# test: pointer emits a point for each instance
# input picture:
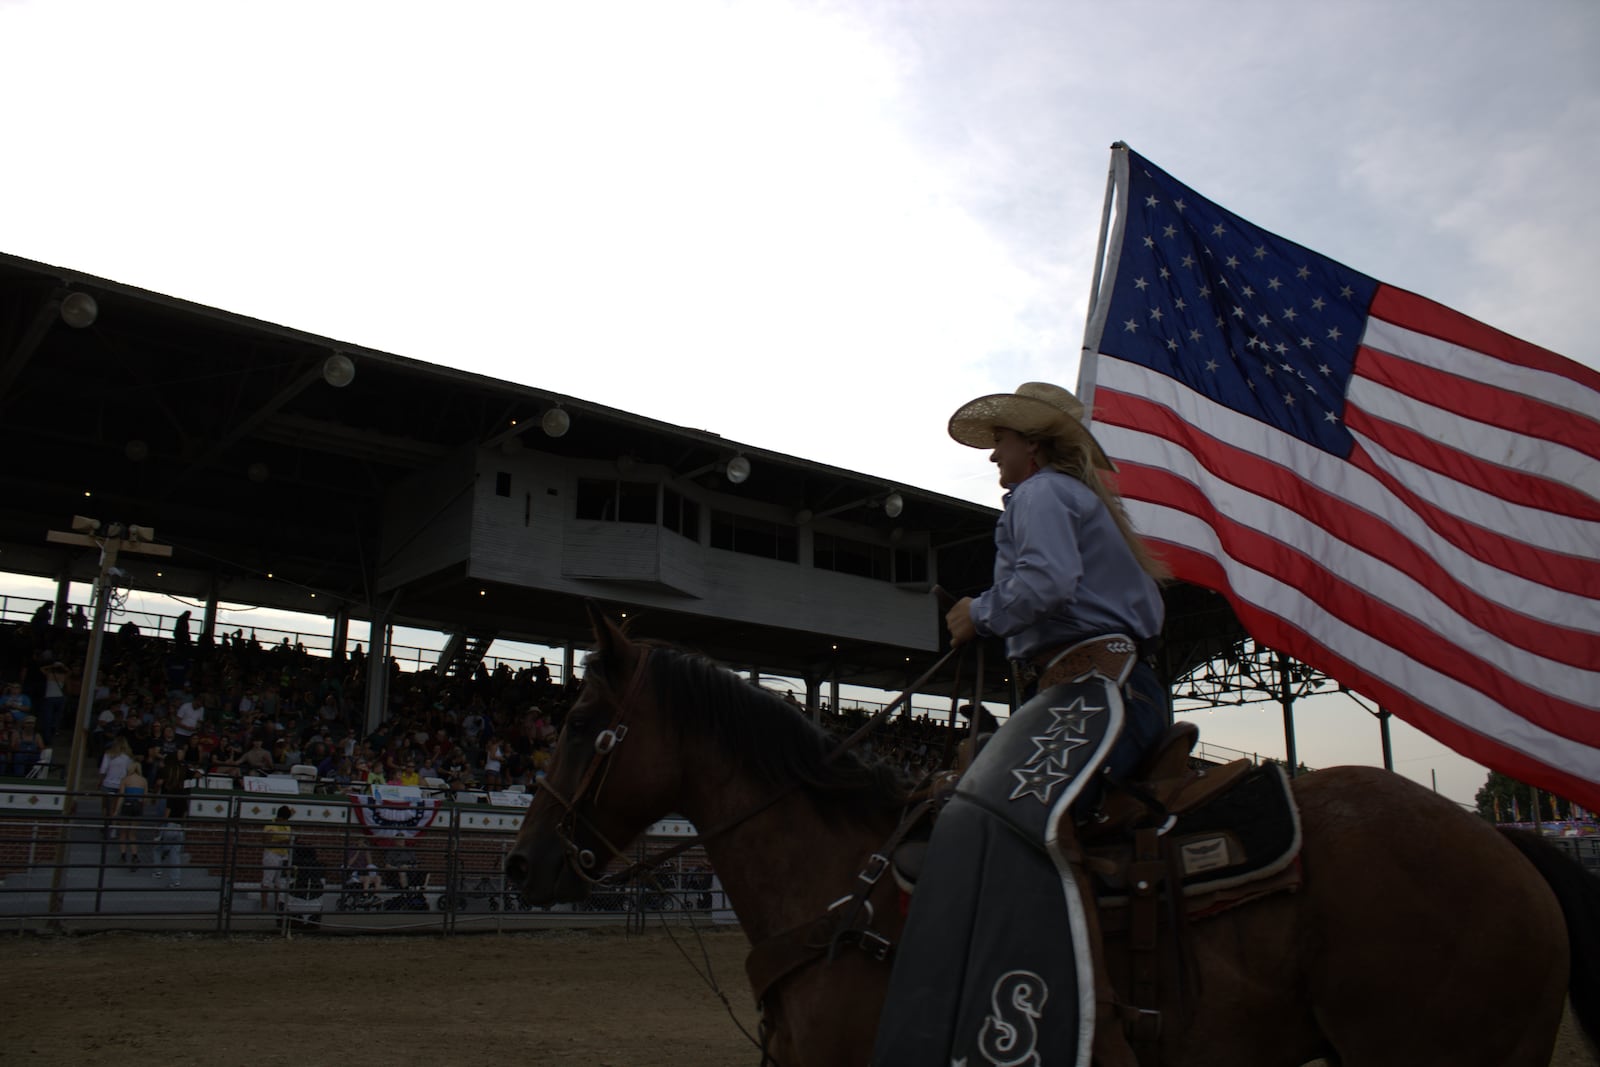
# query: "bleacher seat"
(41, 769)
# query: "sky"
(815, 228)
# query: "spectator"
(190, 714)
(180, 629)
(130, 809)
(169, 844)
(80, 621)
(55, 699)
(114, 767)
(278, 835)
(25, 746)
(257, 760)
(17, 703)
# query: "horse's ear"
(610, 642)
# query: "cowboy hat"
(1036, 409)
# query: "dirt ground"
(599, 999)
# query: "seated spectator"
(17, 703)
(25, 746)
(256, 760)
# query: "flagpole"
(1099, 309)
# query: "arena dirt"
(599, 999)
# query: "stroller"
(406, 881)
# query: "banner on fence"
(394, 813)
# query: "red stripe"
(1488, 404)
(1354, 525)
(1554, 569)
(1193, 566)
(1507, 483)
(1362, 610)
(1427, 317)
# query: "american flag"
(1385, 489)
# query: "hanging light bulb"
(79, 310)
(338, 370)
(738, 469)
(555, 422)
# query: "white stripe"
(1358, 489)
(1517, 522)
(1491, 444)
(1372, 576)
(1442, 694)
(1469, 363)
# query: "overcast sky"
(815, 228)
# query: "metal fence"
(433, 867)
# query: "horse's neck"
(783, 866)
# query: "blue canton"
(1253, 321)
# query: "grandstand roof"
(220, 432)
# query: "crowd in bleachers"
(230, 707)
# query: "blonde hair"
(1076, 457)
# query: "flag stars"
(1238, 312)
(1290, 314)
(1248, 291)
(1347, 292)
(1131, 326)
(1155, 313)
(1188, 261)
(1172, 345)
(1306, 342)
(1288, 400)
(1179, 204)
(1149, 242)
(1151, 201)
(1165, 274)
(1205, 291)
(1181, 303)
(1169, 231)
(1318, 304)
(1260, 252)
(1334, 334)
(1329, 416)
(1211, 364)
(1263, 320)
(1325, 370)
(1140, 284)
(1232, 261)
(1196, 336)
(1303, 273)
(1218, 230)
(1281, 348)
(1273, 285)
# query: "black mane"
(775, 742)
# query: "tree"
(1504, 799)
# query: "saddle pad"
(1247, 834)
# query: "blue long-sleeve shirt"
(1062, 571)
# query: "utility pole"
(115, 540)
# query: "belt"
(1113, 655)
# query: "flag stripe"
(1550, 764)
(1537, 564)
(1562, 699)
(1524, 451)
(1515, 486)
(1349, 503)
(1433, 319)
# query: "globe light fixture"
(555, 422)
(338, 370)
(738, 470)
(79, 310)
(893, 505)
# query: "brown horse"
(1419, 937)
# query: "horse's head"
(614, 771)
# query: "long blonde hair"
(1077, 459)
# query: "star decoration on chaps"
(1049, 765)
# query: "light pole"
(115, 540)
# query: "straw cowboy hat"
(1036, 409)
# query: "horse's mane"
(773, 740)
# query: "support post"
(1286, 698)
(1383, 732)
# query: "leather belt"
(1113, 655)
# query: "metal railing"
(435, 869)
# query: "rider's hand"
(959, 619)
